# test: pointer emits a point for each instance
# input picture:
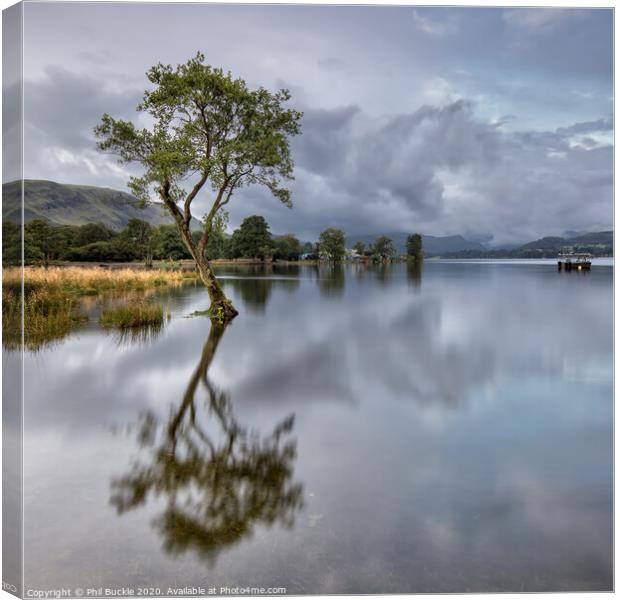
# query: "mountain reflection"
(218, 479)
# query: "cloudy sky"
(491, 123)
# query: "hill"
(64, 204)
(599, 243)
(433, 245)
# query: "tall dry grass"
(91, 280)
(52, 297)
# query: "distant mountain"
(433, 245)
(64, 204)
(545, 243)
(450, 243)
(599, 238)
(600, 243)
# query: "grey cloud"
(60, 113)
(539, 19)
(331, 63)
(381, 150)
(98, 58)
(586, 127)
(325, 138)
(12, 132)
(360, 173)
(67, 106)
(391, 167)
(588, 142)
(434, 26)
(395, 177)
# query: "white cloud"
(539, 19)
(431, 26)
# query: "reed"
(136, 314)
(52, 299)
(91, 280)
(47, 317)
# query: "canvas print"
(306, 299)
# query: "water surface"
(355, 430)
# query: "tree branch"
(187, 217)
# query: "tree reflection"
(218, 479)
(256, 291)
(383, 273)
(331, 279)
(414, 273)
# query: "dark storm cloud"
(398, 162)
(443, 120)
(442, 167)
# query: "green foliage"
(168, 245)
(384, 247)
(252, 239)
(414, 245)
(287, 247)
(139, 234)
(45, 243)
(208, 122)
(137, 314)
(331, 244)
(51, 242)
(218, 244)
(118, 249)
(359, 247)
(91, 233)
(207, 126)
(12, 244)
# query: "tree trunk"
(221, 310)
(148, 259)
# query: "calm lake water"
(354, 430)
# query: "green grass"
(139, 314)
(48, 317)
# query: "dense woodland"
(46, 243)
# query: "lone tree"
(384, 247)
(359, 247)
(213, 131)
(252, 238)
(331, 244)
(414, 246)
(140, 234)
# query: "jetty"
(574, 261)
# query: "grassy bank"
(52, 297)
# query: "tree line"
(45, 243)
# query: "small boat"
(574, 261)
